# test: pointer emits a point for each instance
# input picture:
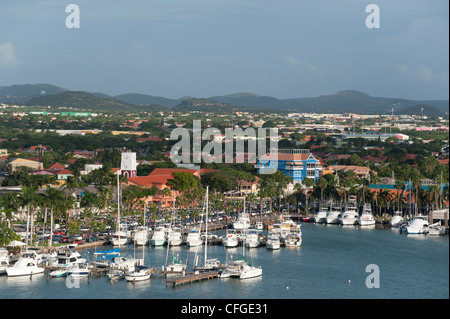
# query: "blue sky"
(202, 48)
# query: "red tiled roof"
(65, 172)
(56, 167)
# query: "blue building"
(296, 163)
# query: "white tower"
(128, 164)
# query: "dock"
(191, 278)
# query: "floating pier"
(191, 278)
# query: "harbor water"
(334, 262)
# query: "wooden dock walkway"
(191, 278)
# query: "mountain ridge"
(345, 101)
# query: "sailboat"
(140, 272)
(209, 264)
(241, 268)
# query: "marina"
(331, 256)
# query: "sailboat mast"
(206, 227)
(118, 207)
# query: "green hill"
(80, 100)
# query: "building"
(21, 162)
(128, 165)
(360, 171)
(158, 178)
(296, 163)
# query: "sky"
(204, 48)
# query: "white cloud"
(8, 55)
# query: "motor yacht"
(243, 221)
(396, 219)
(350, 215)
(193, 238)
(174, 236)
(321, 216)
(26, 265)
(159, 236)
(66, 257)
(119, 238)
(366, 218)
(333, 215)
(273, 241)
(141, 236)
(231, 239)
(4, 260)
(251, 238)
(419, 225)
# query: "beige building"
(13, 165)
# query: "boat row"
(348, 216)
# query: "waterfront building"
(296, 163)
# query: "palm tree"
(374, 178)
(323, 184)
(9, 203)
(28, 199)
(308, 182)
(54, 199)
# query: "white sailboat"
(211, 263)
(241, 268)
(140, 272)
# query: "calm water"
(331, 264)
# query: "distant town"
(394, 162)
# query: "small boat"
(78, 271)
(61, 272)
(116, 274)
(140, 273)
(193, 238)
(243, 221)
(273, 241)
(396, 219)
(251, 238)
(176, 267)
(174, 237)
(159, 236)
(141, 236)
(259, 226)
(419, 225)
(104, 257)
(4, 260)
